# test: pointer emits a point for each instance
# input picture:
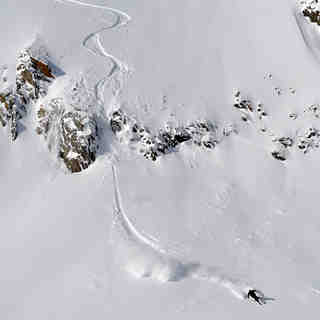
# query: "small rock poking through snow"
(311, 10)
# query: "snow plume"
(144, 256)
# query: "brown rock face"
(42, 67)
(9, 113)
(32, 80)
(71, 135)
(78, 141)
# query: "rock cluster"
(32, 80)
(311, 10)
(309, 140)
(314, 110)
(65, 122)
(71, 134)
(305, 142)
(247, 108)
(9, 114)
(167, 139)
(281, 148)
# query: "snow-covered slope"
(187, 235)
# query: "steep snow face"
(193, 223)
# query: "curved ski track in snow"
(154, 260)
(164, 266)
(119, 67)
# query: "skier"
(255, 295)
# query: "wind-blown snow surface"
(234, 215)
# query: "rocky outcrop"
(203, 134)
(71, 134)
(309, 140)
(8, 113)
(32, 80)
(311, 10)
(281, 148)
(247, 108)
(66, 124)
(304, 140)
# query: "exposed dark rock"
(32, 80)
(279, 155)
(311, 132)
(151, 155)
(286, 141)
(167, 140)
(13, 124)
(309, 140)
(78, 143)
(314, 109)
(9, 114)
(72, 135)
(240, 103)
(118, 121)
(278, 91)
(228, 130)
(293, 116)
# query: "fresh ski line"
(127, 225)
(119, 68)
(184, 269)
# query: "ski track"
(159, 262)
(118, 68)
(164, 261)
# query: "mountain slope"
(233, 216)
